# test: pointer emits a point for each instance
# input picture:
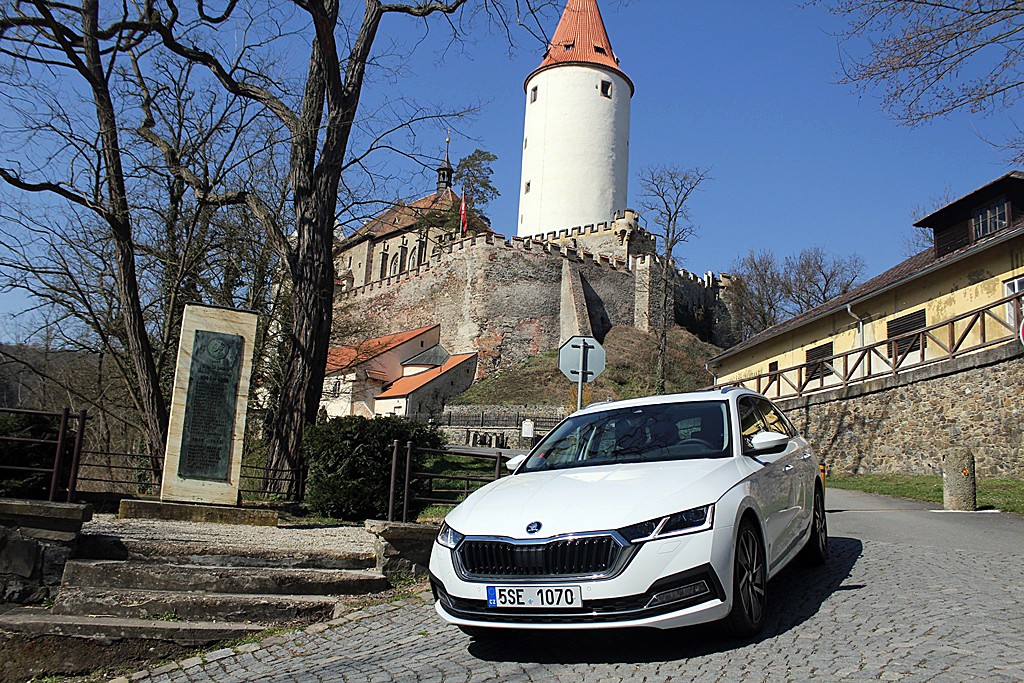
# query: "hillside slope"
(629, 372)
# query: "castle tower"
(576, 140)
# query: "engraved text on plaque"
(209, 422)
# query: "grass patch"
(629, 372)
(443, 487)
(1001, 494)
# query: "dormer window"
(569, 46)
(600, 50)
(989, 218)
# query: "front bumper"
(695, 568)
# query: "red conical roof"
(581, 37)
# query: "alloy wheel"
(751, 569)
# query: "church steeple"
(445, 170)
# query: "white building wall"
(575, 149)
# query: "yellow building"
(959, 297)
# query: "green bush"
(349, 460)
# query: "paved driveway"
(908, 594)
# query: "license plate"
(534, 596)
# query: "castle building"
(579, 262)
(576, 134)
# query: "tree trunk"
(119, 219)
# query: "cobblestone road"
(915, 610)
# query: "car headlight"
(685, 522)
(448, 537)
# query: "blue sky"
(746, 88)
(750, 90)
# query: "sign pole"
(582, 376)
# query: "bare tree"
(316, 112)
(814, 277)
(664, 195)
(755, 295)
(929, 59)
(765, 291)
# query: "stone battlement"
(526, 245)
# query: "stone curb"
(270, 641)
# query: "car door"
(770, 485)
(796, 466)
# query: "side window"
(774, 420)
(750, 420)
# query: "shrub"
(349, 460)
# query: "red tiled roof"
(406, 385)
(581, 37)
(402, 216)
(343, 357)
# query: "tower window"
(526, 190)
(600, 50)
(606, 89)
(569, 46)
(533, 94)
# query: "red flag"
(462, 215)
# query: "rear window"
(669, 431)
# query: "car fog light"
(691, 590)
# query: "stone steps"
(188, 606)
(106, 547)
(118, 574)
(35, 621)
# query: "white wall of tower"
(575, 148)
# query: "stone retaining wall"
(908, 424)
(36, 540)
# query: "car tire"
(749, 583)
(815, 553)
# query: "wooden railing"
(991, 325)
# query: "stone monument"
(203, 459)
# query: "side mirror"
(513, 463)
(768, 442)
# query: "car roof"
(722, 394)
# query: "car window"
(669, 431)
(773, 418)
(751, 421)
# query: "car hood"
(593, 498)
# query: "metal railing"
(486, 420)
(412, 473)
(991, 325)
(59, 442)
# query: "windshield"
(667, 431)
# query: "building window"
(773, 367)
(900, 333)
(533, 94)
(816, 360)
(569, 46)
(526, 190)
(600, 50)
(525, 142)
(989, 218)
(383, 265)
(1015, 286)
(606, 89)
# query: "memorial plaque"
(209, 424)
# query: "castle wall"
(501, 299)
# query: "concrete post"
(959, 485)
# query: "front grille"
(589, 556)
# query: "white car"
(659, 512)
